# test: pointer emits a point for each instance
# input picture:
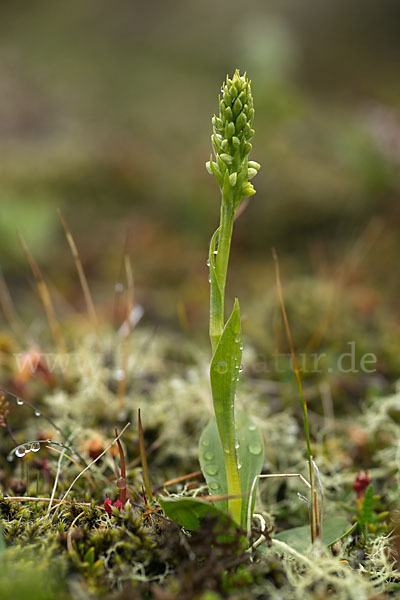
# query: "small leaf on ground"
(187, 512)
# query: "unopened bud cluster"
(232, 132)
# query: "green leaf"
(212, 463)
(90, 556)
(224, 372)
(367, 509)
(299, 538)
(187, 511)
(2, 542)
(216, 309)
(251, 458)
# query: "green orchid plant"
(231, 448)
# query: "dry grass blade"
(315, 526)
(45, 297)
(145, 467)
(180, 479)
(90, 480)
(8, 308)
(73, 553)
(129, 307)
(95, 461)
(81, 273)
(122, 490)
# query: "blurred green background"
(105, 113)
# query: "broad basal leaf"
(187, 511)
(250, 454)
(299, 538)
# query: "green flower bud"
(232, 132)
(233, 179)
(248, 190)
(240, 122)
(235, 142)
(226, 158)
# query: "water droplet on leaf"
(208, 455)
(35, 446)
(221, 367)
(214, 485)
(211, 470)
(20, 451)
(255, 449)
(20, 402)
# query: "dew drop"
(208, 262)
(206, 442)
(241, 369)
(211, 470)
(208, 455)
(252, 427)
(221, 367)
(121, 483)
(255, 449)
(238, 337)
(237, 444)
(119, 287)
(214, 485)
(20, 451)
(20, 402)
(37, 413)
(241, 347)
(27, 448)
(119, 374)
(9, 458)
(227, 451)
(215, 252)
(35, 446)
